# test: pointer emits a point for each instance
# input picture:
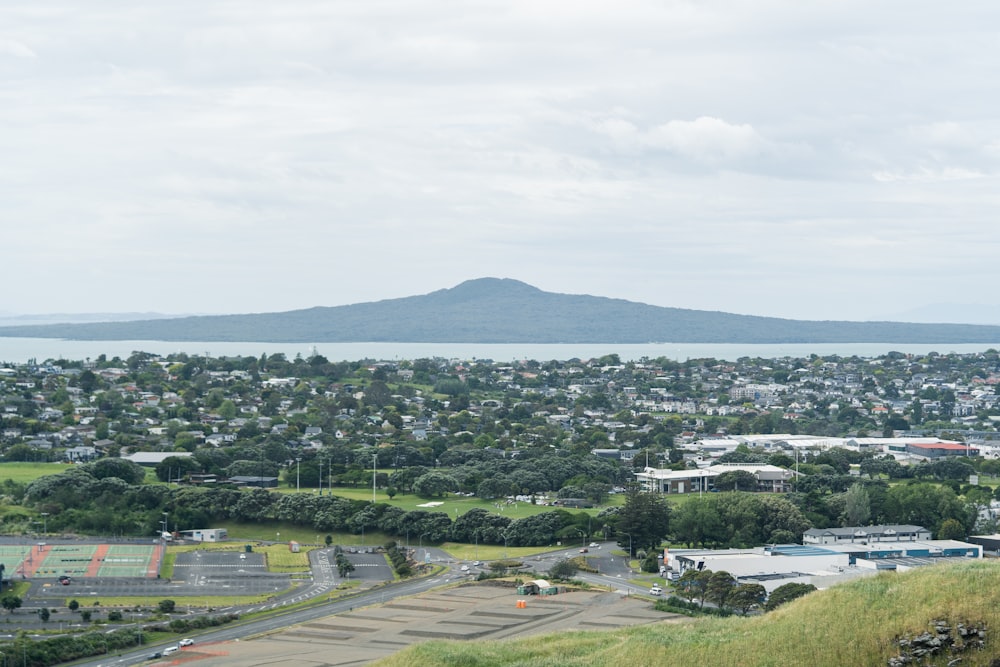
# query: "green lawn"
(29, 472)
(454, 505)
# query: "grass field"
(455, 505)
(29, 472)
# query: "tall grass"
(852, 624)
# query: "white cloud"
(15, 48)
(311, 152)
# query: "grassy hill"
(853, 624)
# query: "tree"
(10, 602)
(86, 615)
(563, 569)
(951, 529)
(736, 480)
(787, 593)
(643, 521)
(746, 597)
(44, 614)
(693, 584)
(328, 540)
(166, 606)
(720, 587)
(434, 484)
(857, 506)
(73, 605)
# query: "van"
(171, 649)
(656, 590)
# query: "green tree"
(787, 593)
(10, 602)
(44, 614)
(73, 605)
(746, 597)
(720, 587)
(434, 484)
(166, 606)
(563, 569)
(643, 521)
(951, 529)
(857, 506)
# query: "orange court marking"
(95, 563)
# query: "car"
(186, 642)
(243, 556)
(65, 580)
(656, 590)
(584, 550)
(170, 650)
(476, 563)
(154, 656)
(594, 545)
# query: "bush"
(166, 606)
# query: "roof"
(858, 531)
(947, 446)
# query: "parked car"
(154, 656)
(584, 550)
(171, 650)
(465, 568)
(65, 580)
(594, 545)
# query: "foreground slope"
(852, 624)
(492, 310)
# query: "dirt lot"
(471, 612)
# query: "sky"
(810, 160)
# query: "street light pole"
(45, 523)
(320, 476)
(298, 469)
(374, 467)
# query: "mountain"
(494, 310)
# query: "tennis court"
(80, 560)
(65, 559)
(12, 556)
(126, 560)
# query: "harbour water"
(20, 350)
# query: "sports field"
(81, 560)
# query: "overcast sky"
(811, 160)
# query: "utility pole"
(298, 467)
(374, 468)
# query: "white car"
(465, 568)
(476, 563)
(656, 590)
(594, 545)
(186, 642)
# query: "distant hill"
(493, 310)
